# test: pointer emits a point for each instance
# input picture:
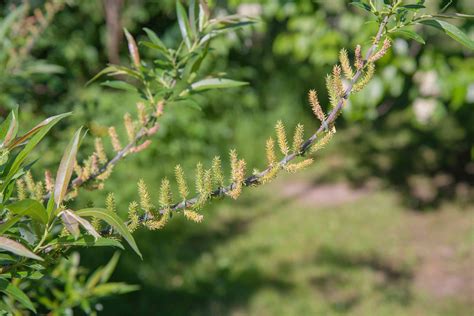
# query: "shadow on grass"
(390, 280)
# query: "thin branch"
(255, 179)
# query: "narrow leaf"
(451, 31)
(12, 129)
(360, 5)
(121, 85)
(65, 168)
(183, 23)
(110, 267)
(42, 130)
(413, 6)
(31, 208)
(404, 32)
(216, 83)
(113, 220)
(86, 241)
(17, 248)
(14, 292)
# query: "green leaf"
(155, 39)
(105, 71)
(5, 126)
(216, 83)
(9, 133)
(405, 32)
(17, 248)
(113, 220)
(14, 292)
(66, 167)
(203, 14)
(114, 70)
(9, 223)
(361, 5)
(41, 130)
(7, 258)
(413, 6)
(43, 68)
(192, 15)
(31, 208)
(122, 85)
(86, 241)
(451, 31)
(183, 23)
(110, 267)
(113, 288)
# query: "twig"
(255, 179)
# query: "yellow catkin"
(332, 93)
(345, 64)
(144, 194)
(99, 150)
(110, 203)
(86, 171)
(238, 177)
(234, 160)
(48, 181)
(133, 216)
(358, 62)
(281, 137)
(386, 45)
(270, 175)
(193, 216)
(316, 106)
(106, 174)
(165, 194)
(217, 174)
(95, 222)
(129, 127)
(94, 163)
(336, 81)
(270, 152)
(298, 138)
(322, 142)
(39, 190)
(142, 113)
(362, 83)
(182, 186)
(199, 177)
(78, 169)
(298, 166)
(30, 183)
(114, 139)
(20, 188)
(158, 224)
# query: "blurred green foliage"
(414, 122)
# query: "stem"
(255, 179)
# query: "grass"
(276, 254)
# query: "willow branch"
(255, 179)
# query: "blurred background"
(382, 224)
